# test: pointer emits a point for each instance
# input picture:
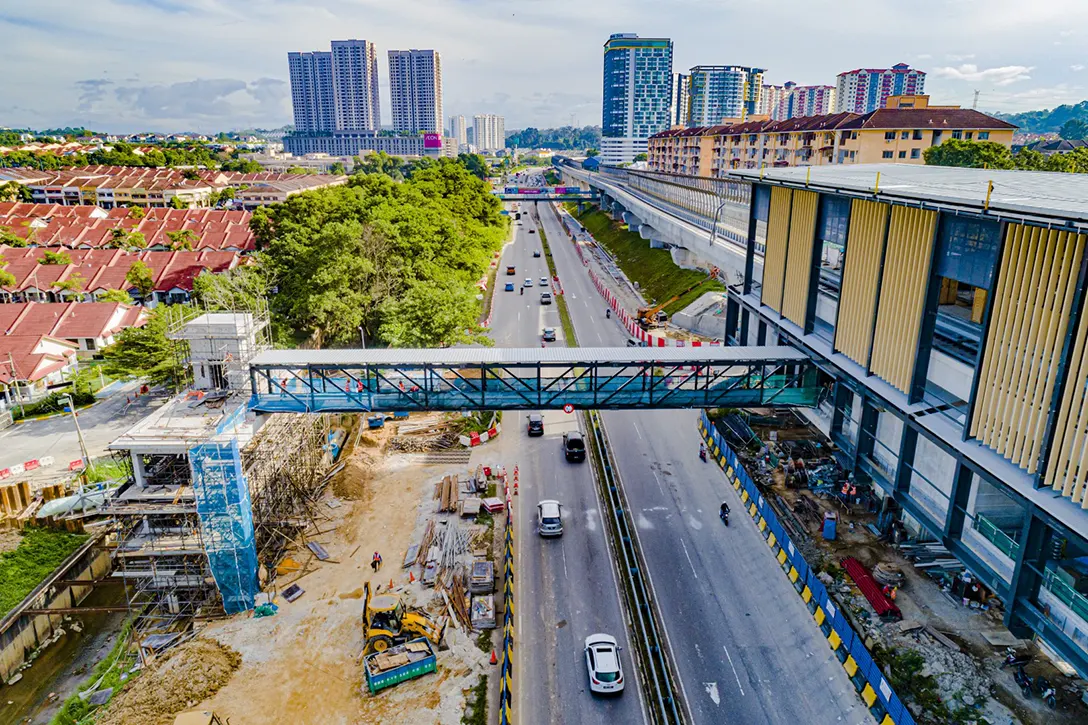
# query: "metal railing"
(990, 531)
(1069, 596)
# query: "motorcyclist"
(702, 451)
(724, 510)
(607, 313)
(523, 290)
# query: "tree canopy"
(990, 155)
(399, 259)
(1047, 120)
(562, 138)
(146, 352)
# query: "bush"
(39, 553)
(75, 708)
(54, 403)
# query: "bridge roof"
(716, 355)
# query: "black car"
(536, 252)
(536, 424)
(574, 446)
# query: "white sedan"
(603, 663)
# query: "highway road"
(745, 646)
(566, 587)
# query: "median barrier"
(869, 682)
(506, 671)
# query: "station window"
(831, 236)
(761, 208)
(964, 272)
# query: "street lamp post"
(79, 434)
(362, 337)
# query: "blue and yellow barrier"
(873, 688)
(506, 671)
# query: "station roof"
(705, 354)
(1042, 195)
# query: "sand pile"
(189, 674)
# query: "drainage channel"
(656, 671)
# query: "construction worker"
(376, 562)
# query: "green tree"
(176, 202)
(73, 285)
(641, 157)
(1074, 129)
(191, 174)
(136, 212)
(1029, 160)
(475, 163)
(592, 152)
(7, 279)
(241, 288)
(115, 295)
(300, 170)
(969, 154)
(182, 240)
(139, 275)
(14, 191)
(244, 166)
(10, 238)
(146, 352)
(338, 168)
(425, 315)
(51, 257)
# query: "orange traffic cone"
(390, 583)
(411, 577)
(494, 659)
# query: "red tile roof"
(33, 357)
(68, 320)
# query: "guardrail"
(647, 638)
(873, 688)
(506, 671)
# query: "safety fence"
(506, 671)
(870, 683)
(630, 322)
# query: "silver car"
(549, 518)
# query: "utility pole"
(362, 337)
(79, 433)
(974, 104)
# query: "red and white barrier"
(474, 439)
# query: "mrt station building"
(946, 310)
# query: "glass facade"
(637, 86)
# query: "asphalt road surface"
(745, 646)
(566, 585)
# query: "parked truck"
(398, 664)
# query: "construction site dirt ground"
(969, 675)
(303, 665)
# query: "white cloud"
(959, 58)
(1002, 76)
(1076, 67)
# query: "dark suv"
(574, 446)
(536, 424)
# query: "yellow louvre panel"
(1028, 325)
(799, 257)
(903, 294)
(864, 245)
(1067, 470)
(774, 261)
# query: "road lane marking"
(635, 424)
(731, 665)
(689, 558)
(712, 690)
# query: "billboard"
(432, 140)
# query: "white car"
(528, 282)
(603, 663)
(544, 282)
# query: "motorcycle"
(1024, 681)
(723, 514)
(702, 455)
(1047, 692)
(1012, 659)
(608, 314)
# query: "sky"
(211, 65)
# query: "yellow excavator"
(388, 623)
(654, 315)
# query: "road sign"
(568, 408)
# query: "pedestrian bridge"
(318, 381)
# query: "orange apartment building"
(899, 133)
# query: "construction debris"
(185, 676)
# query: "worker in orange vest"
(376, 562)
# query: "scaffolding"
(216, 491)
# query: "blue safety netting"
(226, 521)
